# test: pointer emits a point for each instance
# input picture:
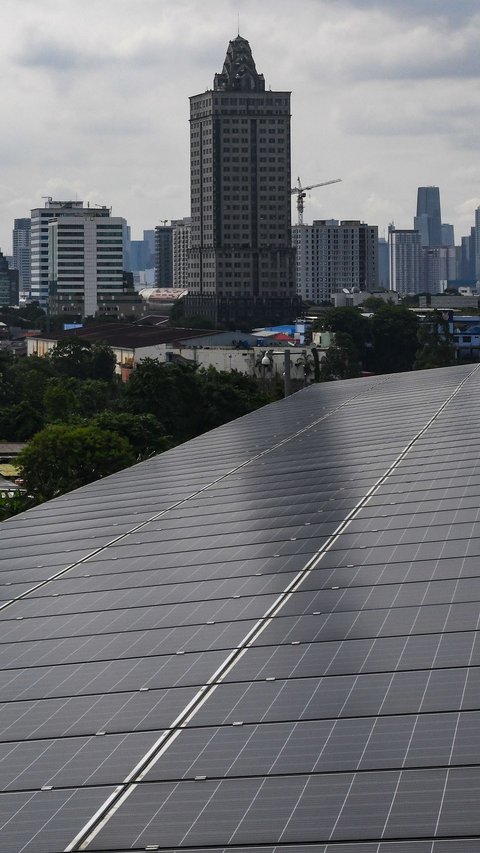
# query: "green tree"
(60, 400)
(29, 378)
(225, 396)
(437, 347)
(170, 392)
(144, 432)
(67, 399)
(349, 321)
(340, 360)
(20, 421)
(103, 362)
(177, 313)
(60, 458)
(394, 333)
(374, 304)
(14, 503)
(7, 392)
(72, 356)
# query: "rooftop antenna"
(238, 23)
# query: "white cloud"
(95, 94)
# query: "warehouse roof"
(129, 335)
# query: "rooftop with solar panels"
(265, 639)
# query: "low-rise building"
(221, 350)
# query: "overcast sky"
(385, 95)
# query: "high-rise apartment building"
(21, 254)
(440, 267)
(406, 261)
(164, 256)
(331, 256)
(476, 238)
(428, 220)
(9, 278)
(182, 230)
(241, 263)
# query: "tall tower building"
(21, 254)
(429, 218)
(241, 262)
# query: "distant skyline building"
(440, 267)
(383, 264)
(476, 240)
(406, 260)
(164, 256)
(182, 231)
(241, 262)
(448, 234)
(9, 290)
(21, 254)
(141, 253)
(332, 255)
(428, 220)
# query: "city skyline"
(383, 96)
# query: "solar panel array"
(264, 639)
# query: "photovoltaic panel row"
(308, 465)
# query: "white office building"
(77, 256)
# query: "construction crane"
(301, 192)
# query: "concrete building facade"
(332, 255)
(181, 240)
(440, 266)
(406, 260)
(85, 260)
(164, 256)
(8, 284)
(241, 255)
(21, 254)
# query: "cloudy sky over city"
(385, 95)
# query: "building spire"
(239, 72)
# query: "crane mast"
(301, 193)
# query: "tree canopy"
(436, 348)
(77, 358)
(394, 338)
(60, 458)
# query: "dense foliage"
(82, 423)
(391, 340)
(62, 457)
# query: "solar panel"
(264, 639)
